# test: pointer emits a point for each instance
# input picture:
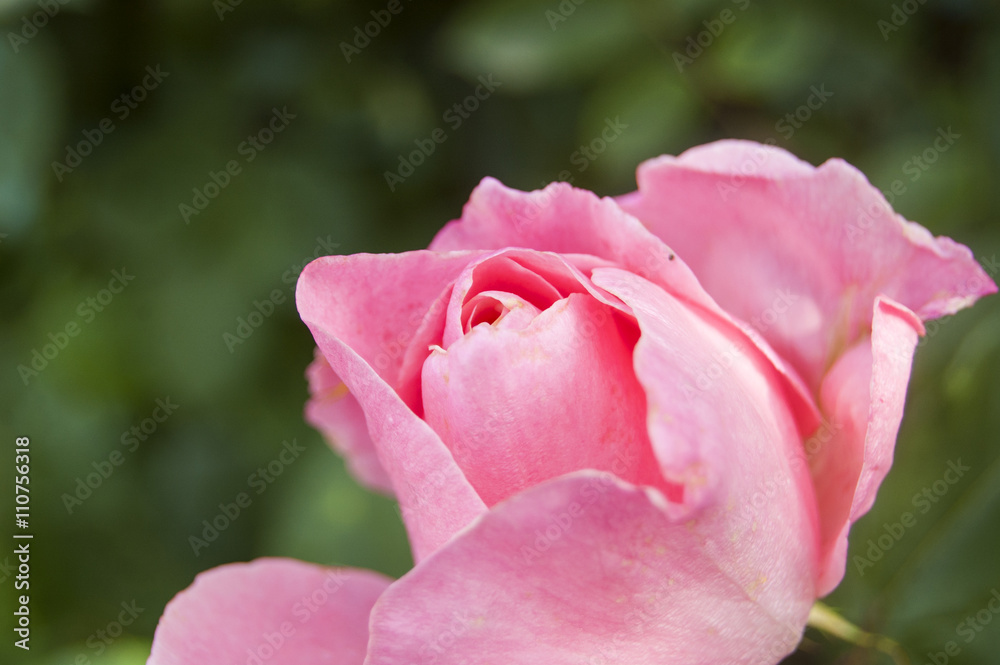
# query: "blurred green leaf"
(527, 45)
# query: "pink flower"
(620, 431)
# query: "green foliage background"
(323, 177)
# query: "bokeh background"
(891, 75)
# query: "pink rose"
(620, 431)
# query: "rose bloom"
(630, 430)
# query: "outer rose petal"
(717, 415)
(588, 569)
(720, 425)
(435, 498)
(334, 412)
(864, 394)
(374, 303)
(227, 615)
(812, 247)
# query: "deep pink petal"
(799, 252)
(589, 569)
(429, 333)
(435, 498)
(505, 310)
(863, 395)
(333, 411)
(519, 406)
(537, 278)
(269, 611)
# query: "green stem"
(825, 619)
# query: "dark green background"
(324, 177)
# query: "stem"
(825, 619)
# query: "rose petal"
(864, 395)
(589, 569)
(374, 303)
(271, 610)
(573, 221)
(333, 411)
(539, 278)
(430, 333)
(517, 407)
(435, 498)
(799, 252)
(503, 310)
(566, 221)
(718, 419)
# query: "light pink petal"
(562, 219)
(435, 498)
(589, 569)
(798, 252)
(566, 220)
(863, 395)
(333, 411)
(519, 406)
(718, 415)
(375, 303)
(269, 611)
